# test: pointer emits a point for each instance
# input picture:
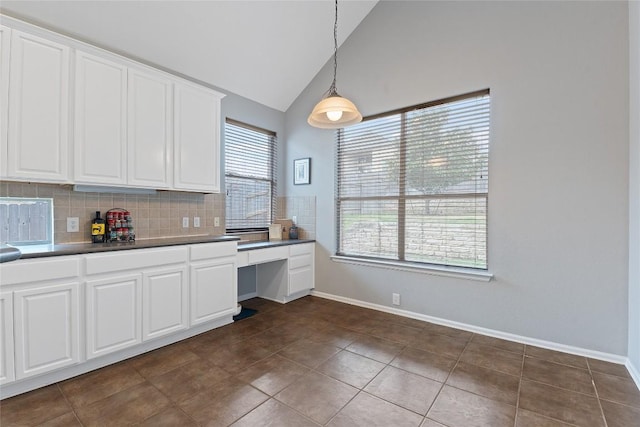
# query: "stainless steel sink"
(9, 253)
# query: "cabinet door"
(149, 138)
(5, 40)
(46, 328)
(197, 139)
(300, 279)
(7, 373)
(213, 290)
(38, 139)
(301, 267)
(113, 314)
(100, 120)
(165, 302)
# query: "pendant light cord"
(332, 89)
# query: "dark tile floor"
(318, 362)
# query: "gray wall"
(634, 185)
(558, 217)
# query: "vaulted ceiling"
(267, 51)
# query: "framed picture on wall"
(302, 171)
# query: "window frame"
(401, 263)
(272, 167)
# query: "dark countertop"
(40, 251)
(247, 246)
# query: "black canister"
(293, 232)
(98, 229)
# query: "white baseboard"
(633, 371)
(32, 383)
(247, 296)
(608, 357)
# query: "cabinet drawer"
(300, 280)
(242, 259)
(257, 256)
(27, 271)
(300, 261)
(302, 248)
(213, 250)
(135, 259)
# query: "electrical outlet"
(196, 221)
(185, 222)
(73, 224)
(216, 221)
(396, 299)
(294, 218)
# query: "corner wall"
(558, 210)
(634, 190)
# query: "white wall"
(558, 215)
(634, 186)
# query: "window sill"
(456, 272)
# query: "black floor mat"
(244, 313)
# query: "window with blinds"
(250, 176)
(412, 185)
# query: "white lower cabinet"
(213, 281)
(113, 308)
(46, 328)
(283, 273)
(7, 373)
(211, 295)
(165, 302)
(301, 266)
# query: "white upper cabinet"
(74, 113)
(197, 138)
(100, 120)
(38, 107)
(5, 40)
(150, 138)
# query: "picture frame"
(302, 171)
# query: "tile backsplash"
(156, 215)
(304, 209)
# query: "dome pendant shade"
(334, 112)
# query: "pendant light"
(334, 111)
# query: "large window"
(412, 185)
(250, 176)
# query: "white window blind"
(412, 185)
(250, 176)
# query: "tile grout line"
(515, 418)
(593, 383)
(73, 409)
(448, 375)
(361, 390)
